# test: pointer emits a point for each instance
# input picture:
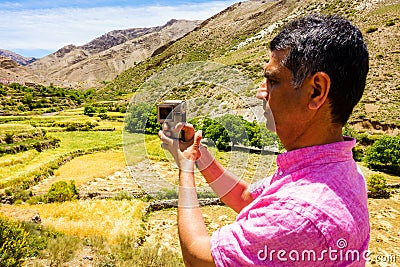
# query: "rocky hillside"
(11, 71)
(239, 37)
(106, 56)
(17, 58)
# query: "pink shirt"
(311, 212)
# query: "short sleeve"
(267, 236)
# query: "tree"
(235, 129)
(218, 133)
(152, 125)
(27, 99)
(232, 130)
(142, 118)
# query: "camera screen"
(165, 113)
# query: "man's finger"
(187, 129)
(166, 129)
(178, 127)
(165, 126)
(164, 146)
(197, 138)
(164, 138)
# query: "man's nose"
(262, 92)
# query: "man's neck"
(314, 135)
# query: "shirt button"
(281, 173)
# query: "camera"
(172, 112)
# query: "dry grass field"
(109, 219)
(87, 167)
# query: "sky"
(36, 28)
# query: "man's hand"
(184, 152)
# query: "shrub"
(206, 194)
(22, 195)
(62, 191)
(18, 243)
(102, 110)
(9, 138)
(18, 194)
(13, 243)
(121, 109)
(358, 153)
(59, 192)
(104, 116)
(391, 22)
(89, 110)
(371, 29)
(348, 131)
(384, 155)
(166, 193)
(367, 139)
(121, 195)
(76, 125)
(3, 92)
(377, 186)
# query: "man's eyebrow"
(269, 75)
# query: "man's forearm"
(226, 185)
(193, 235)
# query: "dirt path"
(100, 187)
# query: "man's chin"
(269, 116)
(271, 126)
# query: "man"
(313, 210)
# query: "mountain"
(11, 71)
(103, 58)
(239, 36)
(17, 58)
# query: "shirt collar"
(304, 157)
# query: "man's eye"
(271, 82)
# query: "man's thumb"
(197, 138)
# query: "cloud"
(51, 29)
(9, 5)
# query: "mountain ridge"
(106, 56)
(23, 61)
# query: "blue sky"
(36, 28)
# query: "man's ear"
(321, 84)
